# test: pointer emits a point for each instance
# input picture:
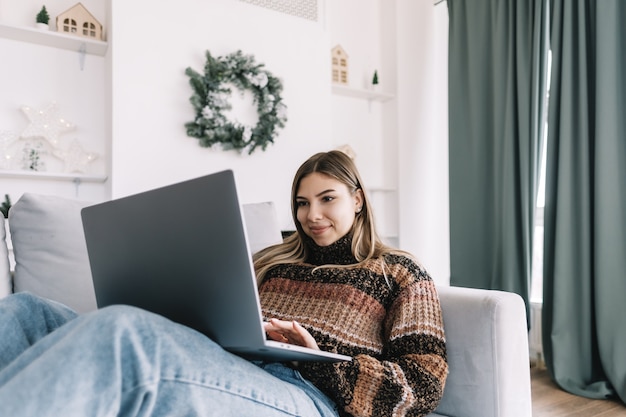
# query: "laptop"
(182, 251)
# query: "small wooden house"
(339, 65)
(77, 20)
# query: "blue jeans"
(124, 361)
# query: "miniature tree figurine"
(375, 79)
(43, 16)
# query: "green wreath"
(210, 99)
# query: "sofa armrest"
(487, 343)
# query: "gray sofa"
(486, 330)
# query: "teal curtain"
(584, 294)
(497, 80)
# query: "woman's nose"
(314, 212)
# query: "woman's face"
(326, 208)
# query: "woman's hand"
(289, 332)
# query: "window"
(89, 29)
(69, 25)
(536, 288)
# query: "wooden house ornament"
(339, 65)
(77, 20)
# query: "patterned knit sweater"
(392, 327)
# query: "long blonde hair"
(366, 244)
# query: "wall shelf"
(37, 175)
(53, 39)
(361, 93)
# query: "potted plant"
(5, 206)
(4, 216)
(42, 19)
(375, 80)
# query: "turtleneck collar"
(338, 253)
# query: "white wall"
(153, 43)
(369, 127)
(400, 145)
(36, 76)
(355, 25)
(423, 137)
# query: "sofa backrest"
(51, 256)
(262, 225)
(50, 251)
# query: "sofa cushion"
(50, 252)
(261, 225)
(5, 274)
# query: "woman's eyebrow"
(330, 190)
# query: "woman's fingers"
(307, 339)
(289, 332)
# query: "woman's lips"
(318, 230)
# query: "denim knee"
(24, 299)
(122, 318)
(133, 326)
(27, 306)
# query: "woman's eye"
(301, 203)
(328, 198)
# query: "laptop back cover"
(179, 251)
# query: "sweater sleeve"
(409, 377)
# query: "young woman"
(332, 285)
